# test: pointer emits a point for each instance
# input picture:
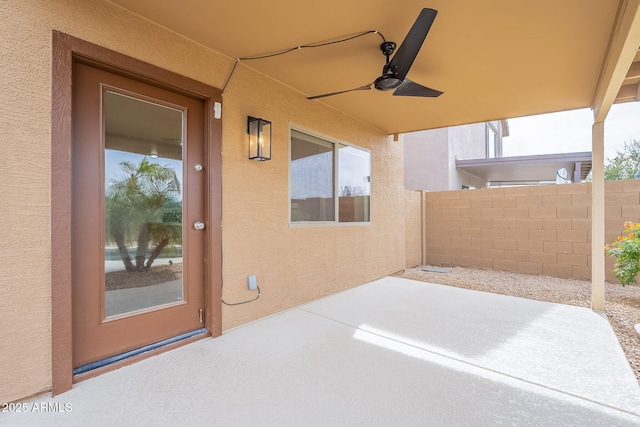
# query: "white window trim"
(498, 140)
(336, 142)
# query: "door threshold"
(113, 362)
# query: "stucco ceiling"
(493, 59)
(630, 90)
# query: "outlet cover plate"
(253, 282)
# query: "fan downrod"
(388, 80)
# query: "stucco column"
(597, 217)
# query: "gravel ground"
(622, 304)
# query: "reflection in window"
(312, 190)
(354, 184)
(143, 204)
(321, 169)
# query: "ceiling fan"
(395, 70)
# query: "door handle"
(198, 225)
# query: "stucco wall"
(426, 161)
(293, 265)
(543, 230)
(430, 157)
(466, 142)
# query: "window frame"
(336, 171)
(493, 131)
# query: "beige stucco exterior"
(292, 264)
(430, 156)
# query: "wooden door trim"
(65, 50)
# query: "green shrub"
(626, 250)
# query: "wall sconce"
(259, 131)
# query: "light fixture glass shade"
(259, 131)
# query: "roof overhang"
(630, 90)
(528, 169)
(493, 59)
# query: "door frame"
(66, 50)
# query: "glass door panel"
(143, 189)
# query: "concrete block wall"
(542, 230)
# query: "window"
(494, 140)
(330, 182)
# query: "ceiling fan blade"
(409, 88)
(408, 50)
(365, 87)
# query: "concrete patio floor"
(390, 352)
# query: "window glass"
(321, 169)
(354, 184)
(143, 204)
(312, 189)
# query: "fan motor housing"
(387, 82)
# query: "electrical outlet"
(253, 282)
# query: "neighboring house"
(430, 156)
(133, 90)
(470, 156)
(557, 168)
